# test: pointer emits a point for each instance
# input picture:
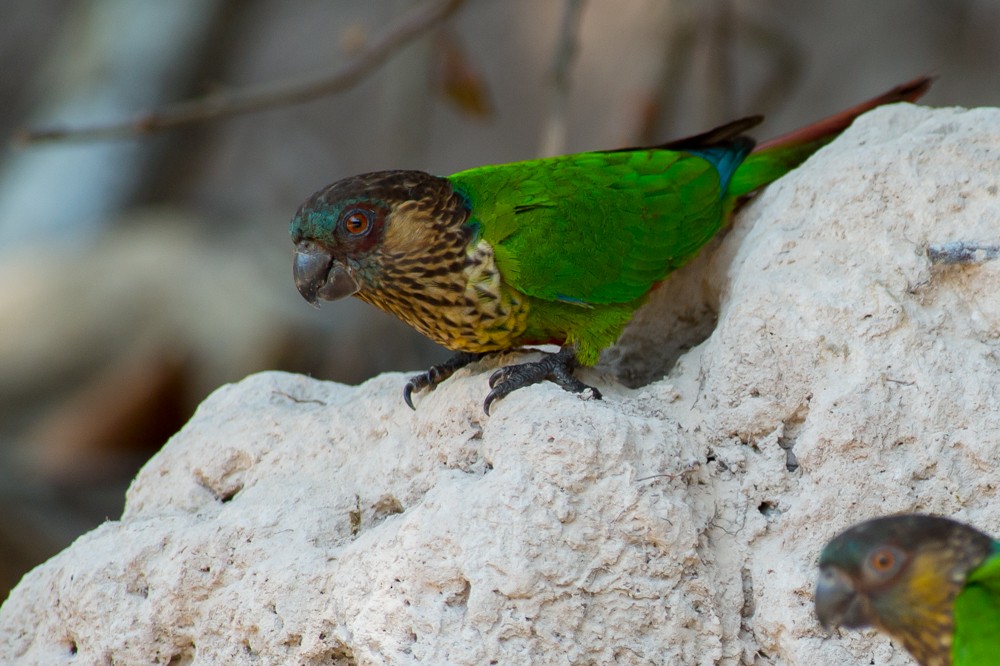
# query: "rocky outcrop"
(850, 372)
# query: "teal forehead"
(843, 551)
(905, 532)
(311, 223)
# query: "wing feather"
(595, 228)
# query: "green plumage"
(977, 614)
(632, 216)
(931, 583)
(560, 250)
(594, 232)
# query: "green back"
(629, 217)
(977, 616)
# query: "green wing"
(630, 217)
(977, 616)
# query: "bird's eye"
(357, 222)
(884, 562)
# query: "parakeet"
(931, 583)
(559, 250)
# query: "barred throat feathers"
(438, 277)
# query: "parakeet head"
(351, 235)
(900, 574)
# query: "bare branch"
(225, 104)
(554, 132)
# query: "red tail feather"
(905, 92)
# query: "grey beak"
(319, 276)
(837, 602)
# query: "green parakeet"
(559, 250)
(931, 583)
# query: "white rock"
(300, 521)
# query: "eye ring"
(357, 221)
(884, 562)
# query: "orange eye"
(883, 563)
(357, 222)
(883, 560)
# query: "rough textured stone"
(299, 521)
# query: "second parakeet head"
(918, 578)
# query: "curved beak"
(837, 602)
(318, 275)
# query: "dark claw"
(412, 385)
(556, 367)
(490, 398)
(436, 374)
(500, 375)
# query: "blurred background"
(140, 271)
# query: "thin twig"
(226, 104)
(554, 133)
(300, 401)
(722, 84)
(678, 42)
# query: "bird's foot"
(556, 367)
(437, 374)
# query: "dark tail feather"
(721, 135)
